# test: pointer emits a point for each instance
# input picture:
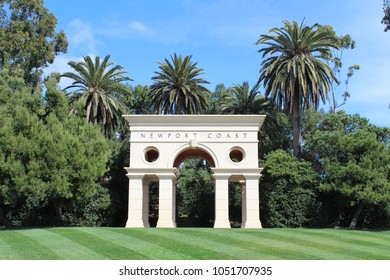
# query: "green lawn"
(192, 243)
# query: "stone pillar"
(221, 200)
(135, 217)
(145, 207)
(167, 201)
(252, 202)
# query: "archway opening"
(236, 200)
(195, 194)
(153, 203)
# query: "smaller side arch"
(187, 151)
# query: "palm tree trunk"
(356, 216)
(88, 111)
(296, 119)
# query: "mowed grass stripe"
(359, 249)
(154, 250)
(7, 251)
(375, 234)
(122, 238)
(63, 247)
(324, 247)
(362, 237)
(237, 249)
(337, 243)
(225, 249)
(183, 245)
(320, 250)
(272, 246)
(107, 249)
(22, 247)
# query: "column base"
(137, 224)
(251, 224)
(165, 224)
(222, 224)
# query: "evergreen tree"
(352, 158)
(50, 162)
(28, 38)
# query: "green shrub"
(287, 191)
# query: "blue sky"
(220, 35)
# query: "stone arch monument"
(159, 143)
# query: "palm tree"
(294, 72)
(246, 101)
(177, 88)
(99, 85)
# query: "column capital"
(135, 176)
(252, 176)
(166, 176)
(165, 173)
(221, 174)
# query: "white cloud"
(138, 26)
(81, 36)
(123, 29)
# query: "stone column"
(167, 201)
(221, 200)
(145, 207)
(252, 202)
(136, 203)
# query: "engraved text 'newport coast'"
(191, 135)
